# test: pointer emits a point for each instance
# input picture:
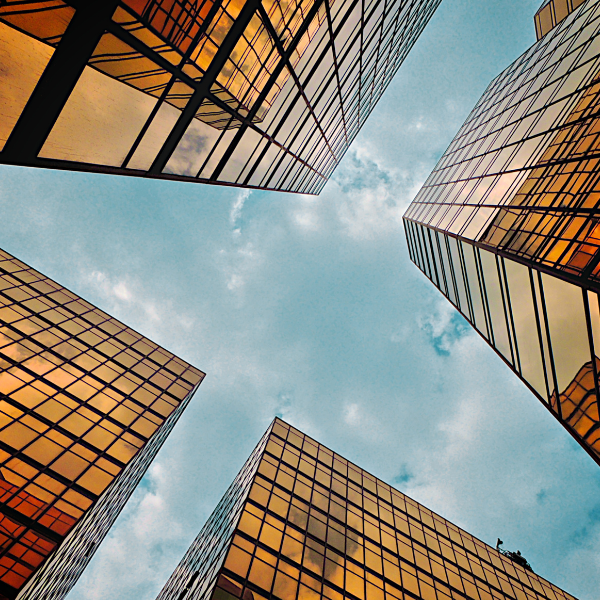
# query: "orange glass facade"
(85, 403)
(302, 523)
(551, 13)
(506, 226)
(265, 94)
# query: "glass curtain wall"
(545, 328)
(506, 226)
(82, 397)
(315, 525)
(265, 94)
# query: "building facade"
(507, 225)
(241, 92)
(302, 523)
(85, 404)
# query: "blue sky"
(308, 308)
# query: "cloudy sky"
(309, 308)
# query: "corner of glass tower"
(507, 225)
(301, 522)
(264, 95)
(85, 404)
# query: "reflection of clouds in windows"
(362, 537)
(192, 150)
(171, 49)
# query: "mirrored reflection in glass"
(301, 522)
(518, 186)
(85, 403)
(27, 58)
(168, 77)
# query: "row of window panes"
(318, 183)
(547, 115)
(55, 578)
(408, 519)
(537, 322)
(320, 562)
(459, 151)
(383, 535)
(563, 240)
(41, 295)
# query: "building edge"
(416, 260)
(58, 575)
(198, 570)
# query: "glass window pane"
(100, 121)
(458, 276)
(523, 314)
(27, 58)
(154, 138)
(474, 288)
(568, 329)
(495, 304)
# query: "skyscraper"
(262, 94)
(302, 523)
(507, 225)
(85, 404)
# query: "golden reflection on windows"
(579, 405)
(298, 84)
(552, 13)
(542, 222)
(115, 58)
(354, 538)
(80, 396)
(177, 21)
(255, 56)
(25, 59)
(515, 150)
(46, 20)
(536, 321)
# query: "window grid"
(314, 525)
(513, 207)
(168, 81)
(545, 328)
(81, 395)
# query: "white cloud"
(352, 414)
(122, 292)
(235, 214)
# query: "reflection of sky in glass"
(316, 526)
(535, 321)
(286, 85)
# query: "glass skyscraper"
(302, 523)
(262, 94)
(507, 225)
(85, 404)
